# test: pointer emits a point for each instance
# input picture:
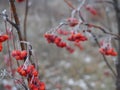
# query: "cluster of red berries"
(3, 38)
(77, 37)
(28, 70)
(72, 22)
(19, 1)
(32, 74)
(108, 51)
(36, 84)
(55, 39)
(19, 55)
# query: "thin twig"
(8, 46)
(104, 58)
(25, 20)
(108, 2)
(102, 29)
(69, 4)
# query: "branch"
(69, 4)
(25, 20)
(13, 9)
(102, 29)
(104, 58)
(108, 2)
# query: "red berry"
(23, 73)
(23, 54)
(1, 47)
(72, 21)
(35, 73)
(42, 86)
(5, 37)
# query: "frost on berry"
(72, 22)
(107, 49)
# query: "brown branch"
(25, 21)
(102, 29)
(108, 2)
(104, 58)
(117, 10)
(13, 9)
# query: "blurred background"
(60, 70)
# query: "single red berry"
(23, 73)
(35, 73)
(18, 58)
(5, 37)
(1, 47)
(42, 86)
(23, 54)
(14, 53)
(57, 40)
(18, 53)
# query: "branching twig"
(102, 29)
(71, 6)
(104, 58)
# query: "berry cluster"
(55, 39)
(3, 38)
(27, 71)
(19, 55)
(108, 51)
(77, 37)
(32, 74)
(36, 84)
(75, 25)
(72, 22)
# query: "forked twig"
(104, 58)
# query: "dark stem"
(117, 36)
(25, 20)
(117, 10)
(13, 9)
(104, 58)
